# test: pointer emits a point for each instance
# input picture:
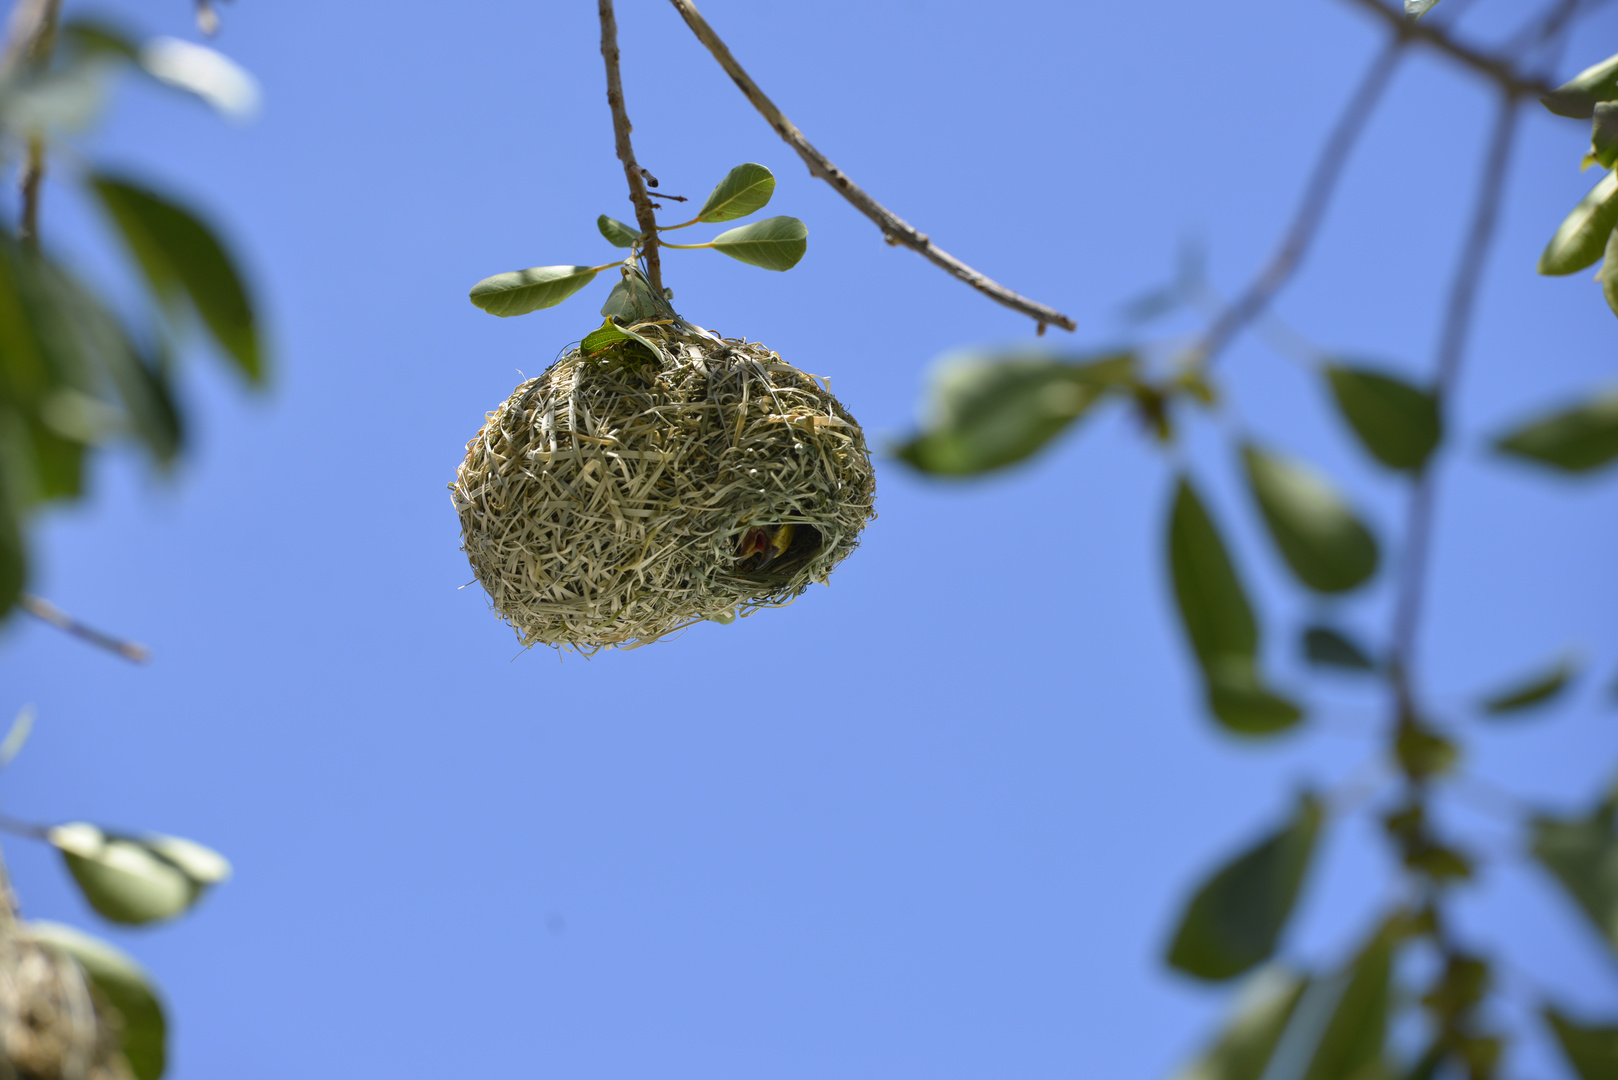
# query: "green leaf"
(1397, 423)
(1532, 692)
(1577, 98)
(605, 334)
(1422, 752)
(1325, 647)
(97, 37)
(1592, 1051)
(1417, 8)
(17, 735)
(775, 243)
(1235, 920)
(13, 549)
(1213, 605)
(1576, 439)
(136, 879)
(633, 299)
(1319, 536)
(1604, 134)
(522, 291)
(179, 254)
(1240, 702)
(617, 233)
(744, 189)
(1338, 1029)
(990, 410)
(1582, 236)
(1245, 1047)
(1582, 854)
(1608, 274)
(125, 985)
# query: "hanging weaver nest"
(655, 476)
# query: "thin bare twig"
(1316, 197)
(1495, 68)
(30, 36)
(645, 217)
(1451, 348)
(894, 228)
(46, 611)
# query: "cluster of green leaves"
(775, 243)
(74, 373)
(77, 373)
(990, 410)
(133, 880)
(1590, 233)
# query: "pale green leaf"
(1604, 134)
(522, 291)
(744, 189)
(1321, 538)
(1244, 1048)
(988, 410)
(1577, 97)
(1417, 8)
(130, 879)
(617, 233)
(775, 243)
(1582, 237)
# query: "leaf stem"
(895, 229)
(688, 247)
(45, 611)
(645, 216)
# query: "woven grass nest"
(622, 495)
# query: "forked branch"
(894, 228)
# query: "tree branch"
(1316, 197)
(894, 228)
(45, 611)
(30, 36)
(1451, 349)
(1494, 68)
(645, 216)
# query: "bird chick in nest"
(763, 544)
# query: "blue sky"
(935, 820)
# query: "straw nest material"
(54, 1024)
(610, 501)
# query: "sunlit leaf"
(1417, 8)
(633, 299)
(990, 410)
(1577, 97)
(775, 243)
(1397, 423)
(179, 254)
(1604, 134)
(1536, 690)
(602, 336)
(17, 735)
(617, 233)
(1326, 647)
(1243, 1049)
(1321, 539)
(1582, 854)
(1235, 920)
(522, 291)
(744, 189)
(131, 879)
(1582, 237)
(125, 985)
(1575, 439)
(1591, 1050)
(208, 73)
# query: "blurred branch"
(1316, 197)
(645, 217)
(1495, 68)
(894, 228)
(1451, 349)
(30, 35)
(45, 611)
